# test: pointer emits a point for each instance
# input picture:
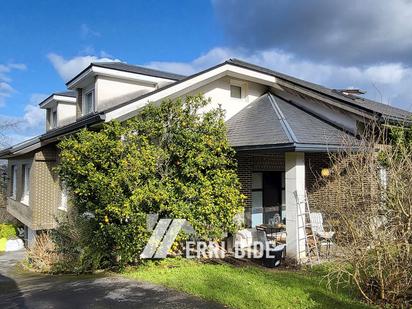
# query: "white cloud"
(34, 116)
(32, 123)
(6, 89)
(17, 66)
(68, 68)
(6, 68)
(393, 80)
(87, 32)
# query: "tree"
(5, 125)
(170, 159)
(369, 199)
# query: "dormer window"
(88, 102)
(52, 117)
(61, 109)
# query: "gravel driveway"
(21, 289)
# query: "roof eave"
(176, 78)
(396, 120)
(50, 136)
(297, 147)
(57, 98)
(79, 76)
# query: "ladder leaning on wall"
(304, 220)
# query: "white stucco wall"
(111, 91)
(66, 113)
(219, 93)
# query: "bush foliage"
(7, 231)
(170, 159)
(370, 201)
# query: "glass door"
(268, 193)
(257, 199)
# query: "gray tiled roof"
(138, 69)
(270, 120)
(69, 93)
(256, 124)
(352, 100)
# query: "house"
(281, 127)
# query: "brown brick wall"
(45, 193)
(46, 189)
(314, 163)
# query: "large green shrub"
(7, 231)
(170, 159)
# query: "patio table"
(272, 231)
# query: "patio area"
(279, 187)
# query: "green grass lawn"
(246, 287)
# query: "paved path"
(20, 289)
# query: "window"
(54, 119)
(63, 201)
(268, 193)
(26, 184)
(235, 91)
(88, 104)
(13, 181)
(257, 199)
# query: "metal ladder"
(303, 219)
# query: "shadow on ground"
(21, 289)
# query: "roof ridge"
(135, 66)
(283, 121)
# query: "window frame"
(85, 95)
(13, 177)
(54, 119)
(52, 123)
(243, 85)
(240, 91)
(26, 172)
(258, 187)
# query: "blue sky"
(43, 43)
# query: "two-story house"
(282, 129)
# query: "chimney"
(351, 91)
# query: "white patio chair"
(325, 237)
(316, 220)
